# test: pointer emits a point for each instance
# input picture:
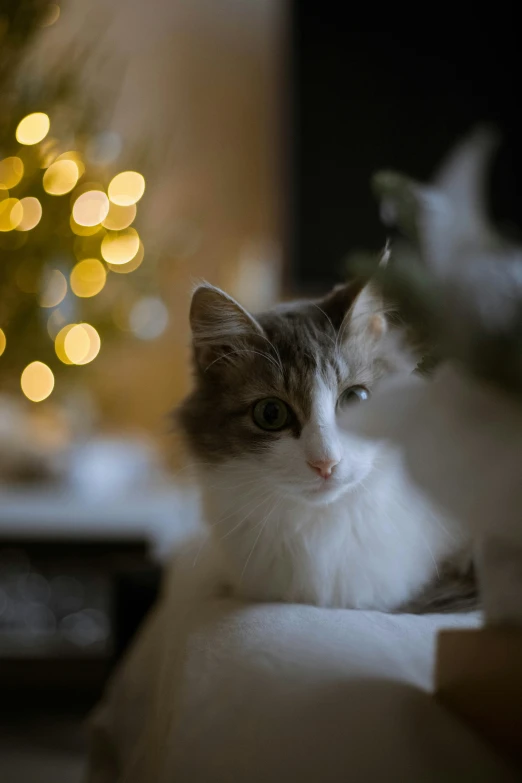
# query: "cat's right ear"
(219, 324)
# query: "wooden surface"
(478, 676)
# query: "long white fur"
(371, 540)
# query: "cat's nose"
(324, 467)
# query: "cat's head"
(271, 389)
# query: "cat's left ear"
(367, 315)
(358, 305)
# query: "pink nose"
(324, 467)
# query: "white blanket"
(230, 692)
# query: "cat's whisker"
(256, 541)
(238, 484)
(246, 517)
(231, 514)
(254, 477)
(204, 542)
(439, 524)
(238, 510)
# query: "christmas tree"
(67, 220)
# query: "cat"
(298, 509)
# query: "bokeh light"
(3, 341)
(76, 158)
(126, 188)
(120, 247)
(32, 213)
(118, 217)
(95, 343)
(88, 277)
(77, 344)
(148, 318)
(11, 214)
(83, 231)
(130, 266)
(91, 208)
(61, 177)
(81, 343)
(11, 172)
(54, 288)
(37, 381)
(59, 343)
(33, 128)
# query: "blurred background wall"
(392, 88)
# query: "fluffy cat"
(298, 508)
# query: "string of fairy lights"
(106, 213)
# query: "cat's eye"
(271, 414)
(354, 394)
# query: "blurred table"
(78, 573)
(162, 515)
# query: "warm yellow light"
(3, 341)
(121, 247)
(55, 288)
(76, 158)
(81, 343)
(126, 188)
(83, 231)
(52, 14)
(77, 344)
(94, 343)
(33, 128)
(119, 217)
(11, 172)
(91, 208)
(130, 266)
(60, 177)
(32, 213)
(88, 277)
(37, 381)
(11, 214)
(59, 343)
(85, 187)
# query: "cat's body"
(304, 511)
(375, 548)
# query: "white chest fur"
(375, 547)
